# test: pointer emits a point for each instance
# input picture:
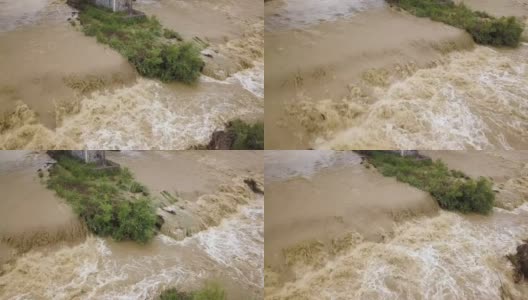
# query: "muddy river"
(62, 89)
(362, 75)
(90, 267)
(351, 233)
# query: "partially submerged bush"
(171, 34)
(142, 40)
(247, 136)
(484, 28)
(210, 291)
(102, 199)
(452, 189)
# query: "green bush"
(171, 34)
(484, 28)
(452, 189)
(143, 42)
(248, 136)
(174, 294)
(136, 187)
(210, 291)
(102, 199)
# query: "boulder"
(254, 186)
(522, 257)
(222, 140)
(520, 262)
(159, 222)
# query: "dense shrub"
(171, 34)
(452, 189)
(485, 29)
(248, 136)
(144, 43)
(102, 199)
(210, 291)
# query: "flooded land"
(364, 75)
(336, 228)
(212, 230)
(62, 89)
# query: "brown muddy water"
(229, 252)
(378, 78)
(64, 90)
(353, 234)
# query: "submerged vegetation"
(452, 189)
(484, 28)
(111, 202)
(247, 136)
(210, 291)
(154, 51)
(238, 135)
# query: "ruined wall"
(89, 156)
(115, 5)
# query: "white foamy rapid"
(147, 115)
(475, 100)
(303, 13)
(102, 269)
(252, 79)
(443, 257)
(282, 165)
(237, 243)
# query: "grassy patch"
(210, 291)
(143, 41)
(111, 203)
(452, 189)
(247, 136)
(484, 28)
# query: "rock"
(169, 209)
(159, 222)
(522, 256)
(524, 36)
(208, 52)
(520, 262)
(222, 140)
(254, 186)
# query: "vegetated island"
(154, 51)
(484, 28)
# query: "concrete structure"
(115, 5)
(90, 156)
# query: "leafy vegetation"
(210, 291)
(247, 136)
(143, 41)
(484, 28)
(110, 202)
(452, 189)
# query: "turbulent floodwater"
(98, 268)
(475, 100)
(146, 115)
(141, 114)
(445, 257)
(410, 83)
(414, 255)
